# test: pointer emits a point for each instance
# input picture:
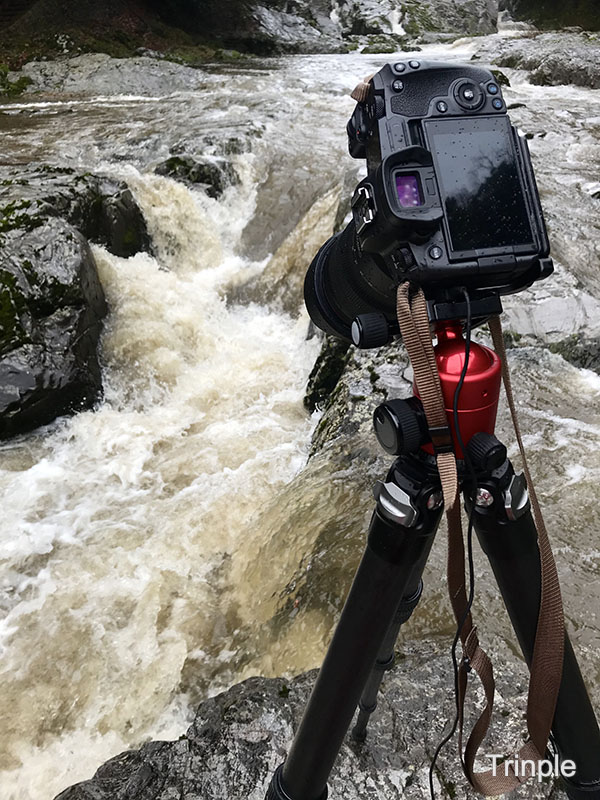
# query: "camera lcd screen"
(479, 183)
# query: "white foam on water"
(125, 523)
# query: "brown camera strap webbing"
(546, 666)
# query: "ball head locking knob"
(397, 426)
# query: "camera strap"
(547, 660)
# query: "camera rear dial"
(468, 95)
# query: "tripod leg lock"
(516, 498)
(395, 504)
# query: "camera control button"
(442, 106)
(414, 64)
(497, 103)
(398, 85)
(436, 252)
(492, 88)
(400, 67)
(468, 95)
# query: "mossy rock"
(213, 175)
(102, 209)
(326, 372)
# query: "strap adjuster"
(441, 438)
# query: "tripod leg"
(511, 546)
(385, 661)
(392, 562)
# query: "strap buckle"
(441, 438)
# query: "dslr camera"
(449, 203)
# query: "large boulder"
(51, 300)
(102, 209)
(52, 305)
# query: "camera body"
(450, 177)
(449, 200)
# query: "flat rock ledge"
(550, 58)
(238, 739)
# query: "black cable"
(471, 595)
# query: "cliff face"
(557, 13)
(264, 27)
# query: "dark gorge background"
(28, 27)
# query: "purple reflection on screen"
(408, 191)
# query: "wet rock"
(371, 17)
(581, 352)
(51, 300)
(276, 28)
(213, 175)
(550, 58)
(238, 739)
(99, 74)
(471, 17)
(102, 209)
(552, 311)
(389, 43)
(51, 306)
(366, 379)
(326, 372)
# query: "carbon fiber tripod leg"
(508, 536)
(385, 661)
(390, 569)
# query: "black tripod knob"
(486, 452)
(398, 426)
(370, 330)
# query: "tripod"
(388, 585)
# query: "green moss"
(416, 18)
(373, 375)
(511, 338)
(13, 217)
(501, 78)
(10, 88)
(380, 46)
(129, 237)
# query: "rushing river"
(129, 534)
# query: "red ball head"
(478, 400)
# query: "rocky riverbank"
(550, 59)
(194, 32)
(238, 738)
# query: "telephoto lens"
(343, 282)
